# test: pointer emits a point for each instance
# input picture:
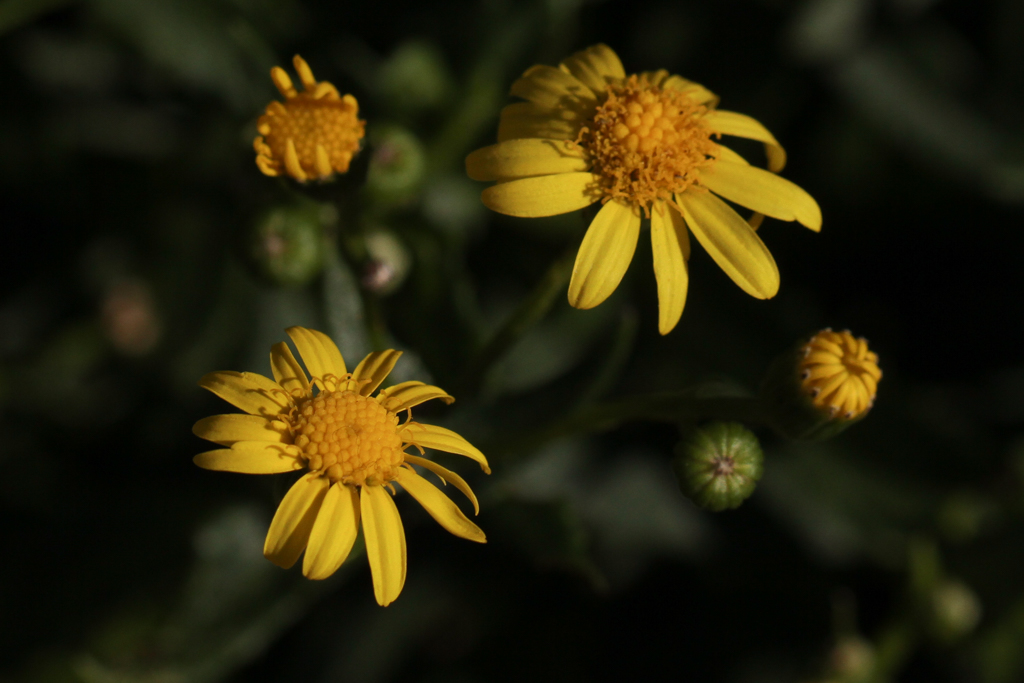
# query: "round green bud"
(388, 263)
(954, 610)
(415, 78)
(288, 243)
(852, 660)
(719, 465)
(397, 164)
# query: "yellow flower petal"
(385, 543)
(408, 394)
(732, 243)
(763, 192)
(723, 153)
(695, 91)
(373, 370)
(527, 120)
(542, 196)
(596, 67)
(439, 438)
(287, 371)
(547, 86)
(743, 126)
(228, 429)
(524, 158)
(333, 533)
(252, 457)
(448, 476)
(656, 78)
(253, 393)
(319, 353)
(293, 521)
(440, 506)
(670, 244)
(604, 255)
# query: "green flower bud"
(397, 164)
(388, 264)
(954, 611)
(719, 465)
(821, 386)
(852, 660)
(288, 242)
(415, 77)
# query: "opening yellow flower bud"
(313, 134)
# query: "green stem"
(672, 407)
(529, 313)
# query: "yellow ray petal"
(542, 196)
(291, 161)
(670, 244)
(283, 81)
(731, 242)
(695, 91)
(289, 530)
(448, 476)
(385, 543)
(319, 353)
(252, 457)
(333, 533)
(287, 371)
(440, 506)
(304, 72)
(408, 394)
(527, 120)
(743, 126)
(763, 192)
(228, 429)
(547, 86)
(723, 153)
(656, 78)
(373, 370)
(604, 255)
(524, 158)
(596, 66)
(253, 393)
(439, 438)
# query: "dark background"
(130, 269)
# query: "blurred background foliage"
(144, 249)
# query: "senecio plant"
(648, 150)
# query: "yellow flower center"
(646, 142)
(350, 438)
(309, 122)
(840, 374)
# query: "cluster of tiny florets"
(351, 438)
(840, 373)
(646, 142)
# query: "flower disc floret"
(350, 438)
(840, 373)
(646, 142)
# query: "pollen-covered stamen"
(646, 142)
(350, 438)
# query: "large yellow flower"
(312, 133)
(353, 448)
(643, 145)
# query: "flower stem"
(671, 407)
(529, 313)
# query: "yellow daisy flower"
(313, 133)
(840, 374)
(643, 145)
(351, 446)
